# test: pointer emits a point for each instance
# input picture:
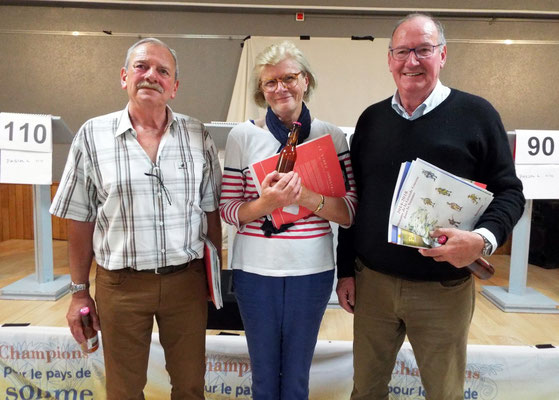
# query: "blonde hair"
(273, 55)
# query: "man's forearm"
(80, 249)
(214, 229)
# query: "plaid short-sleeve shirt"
(147, 214)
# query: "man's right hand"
(80, 300)
(346, 293)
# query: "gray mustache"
(148, 85)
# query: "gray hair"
(436, 22)
(155, 42)
(273, 55)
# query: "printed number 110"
(39, 133)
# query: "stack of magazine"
(426, 198)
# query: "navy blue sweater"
(463, 135)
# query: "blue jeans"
(282, 317)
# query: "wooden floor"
(490, 326)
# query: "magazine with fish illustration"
(427, 197)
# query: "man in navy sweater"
(427, 295)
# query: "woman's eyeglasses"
(288, 81)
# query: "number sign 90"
(536, 147)
(547, 146)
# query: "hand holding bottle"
(481, 268)
(74, 318)
(91, 342)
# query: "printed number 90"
(547, 146)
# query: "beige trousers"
(436, 317)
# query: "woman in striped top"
(282, 277)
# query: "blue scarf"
(281, 132)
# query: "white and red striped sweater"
(310, 248)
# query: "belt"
(361, 264)
(163, 270)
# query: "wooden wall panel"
(4, 212)
(16, 213)
(11, 212)
(28, 213)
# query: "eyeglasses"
(165, 190)
(423, 51)
(288, 81)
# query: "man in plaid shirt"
(141, 191)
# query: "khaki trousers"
(127, 302)
(436, 317)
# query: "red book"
(213, 272)
(320, 171)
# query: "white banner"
(40, 362)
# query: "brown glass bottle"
(480, 267)
(288, 155)
(91, 338)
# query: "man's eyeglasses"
(288, 81)
(163, 187)
(423, 51)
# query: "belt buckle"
(171, 268)
(156, 271)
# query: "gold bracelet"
(320, 205)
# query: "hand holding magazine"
(426, 198)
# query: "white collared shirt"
(437, 96)
(147, 214)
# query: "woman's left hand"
(333, 209)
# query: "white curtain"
(351, 75)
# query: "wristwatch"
(487, 246)
(78, 287)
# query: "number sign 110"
(26, 132)
(39, 132)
